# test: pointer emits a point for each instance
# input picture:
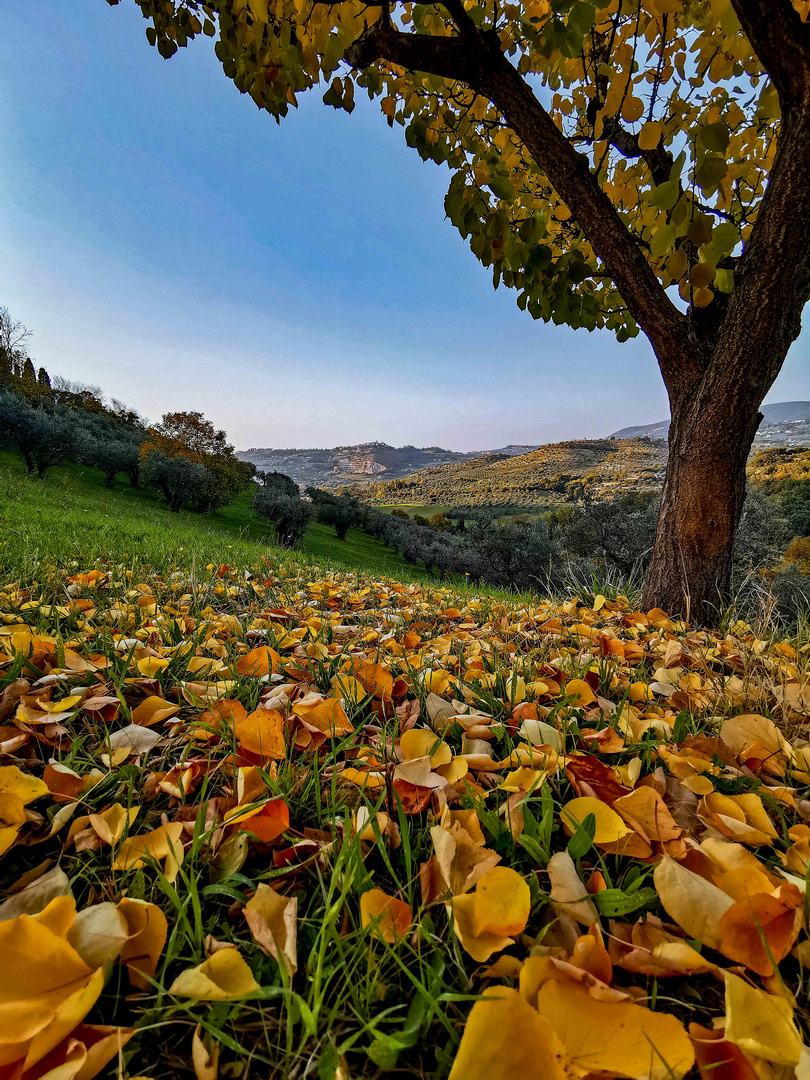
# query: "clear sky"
(298, 284)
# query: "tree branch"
(658, 160)
(781, 42)
(480, 63)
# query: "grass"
(70, 515)
(154, 622)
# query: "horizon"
(167, 242)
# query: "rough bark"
(717, 364)
(701, 504)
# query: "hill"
(356, 464)
(71, 515)
(607, 467)
(364, 462)
(784, 423)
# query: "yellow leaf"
(224, 976)
(760, 1024)
(39, 972)
(633, 109)
(147, 928)
(98, 934)
(273, 922)
(258, 662)
(568, 892)
(609, 826)
(462, 859)
(15, 782)
(506, 1039)
(262, 733)
(739, 817)
(395, 916)
(650, 135)
(152, 710)
(614, 1037)
(580, 691)
(204, 1055)
(149, 666)
(419, 742)
(501, 903)
(480, 947)
(349, 688)
(695, 904)
(162, 843)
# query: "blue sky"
(298, 284)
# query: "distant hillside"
(350, 464)
(604, 466)
(784, 423)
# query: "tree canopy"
(663, 102)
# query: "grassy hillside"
(71, 515)
(608, 468)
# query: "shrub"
(279, 482)
(763, 533)
(620, 532)
(440, 522)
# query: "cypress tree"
(28, 380)
(43, 383)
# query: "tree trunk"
(710, 437)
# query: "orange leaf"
(395, 916)
(267, 824)
(262, 733)
(258, 662)
(746, 923)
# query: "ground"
(262, 817)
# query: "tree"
(604, 154)
(281, 482)
(42, 437)
(43, 383)
(763, 534)
(180, 481)
(620, 531)
(13, 347)
(113, 456)
(289, 513)
(190, 436)
(339, 511)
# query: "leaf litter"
(298, 822)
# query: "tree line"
(575, 545)
(48, 421)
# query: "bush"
(798, 552)
(793, 499)
(517, 556)
(179, 481)
(290, 514)
(763, 533)
(620, 533)
(42, 436)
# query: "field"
(262, 818)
